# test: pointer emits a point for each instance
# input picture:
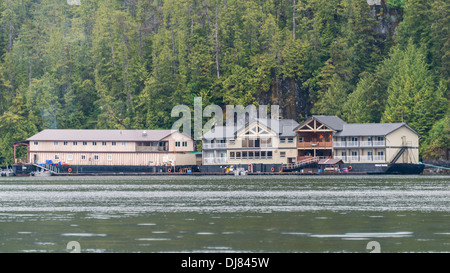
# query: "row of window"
(178, 144)
(83, 157)
(253, 155)
(369, 153)
(75, 143)
(355, 139)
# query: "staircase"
(300, 163)
(50, 168)
(399, 154)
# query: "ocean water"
(197, 214)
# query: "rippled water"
(225, 214)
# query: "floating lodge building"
(319, 144)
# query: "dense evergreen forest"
(126, 63)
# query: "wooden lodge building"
(110, 148)
(362, 147)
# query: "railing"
(151, 149)
(365, 158)
(208, 160)
(305, 161)
(214, 145)
(378, 143)
(221, 160)
(208, 145)
(365, 144)
(314, 144)
(352, 158)
(379, 158)
(340, 144)
(352, 144)
(214, 160)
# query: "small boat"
(7, 172)
(41, 173)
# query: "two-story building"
(260, 145)
(111, 148)
(362, 147)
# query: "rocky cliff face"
(295, 100)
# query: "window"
(75, 143)
(55, 143)
(369, 153)
(343, 139)
(257, 154)
(244, 155)
(381, 153)
(184, 143)
(266, 142)
(177, 144)
(69, 157)
(84, 143)
(250, 155)
(36, 143)
(232, 155)
(113, 143)
(282, 154)
(354, 139)
(282, 140)
(103, 143)
(56, 157)
(354, 153)
(66, 143)
(238, 155)
(263, 154)
(232, 141)
(96, 157)
(291, 140)
(269, 154)
(301, 139)
(94, 143)
(109, 157)
(124, 143)
(344, 153)
(83, 157)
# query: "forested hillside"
(126, 63)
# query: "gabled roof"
(332, 122)
(371, 129)
(100, 135)
(283, 128)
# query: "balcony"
(208, 145)
(215, 145)
(151, 149)
(339, 144)
(314, 145)
(378, 144)
(221, 145)
(221, 160)
(352, 144)
(208, 160)
(365, 144)
(366, 158)
(379, 158)
(352, 158)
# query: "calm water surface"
(225, 214)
